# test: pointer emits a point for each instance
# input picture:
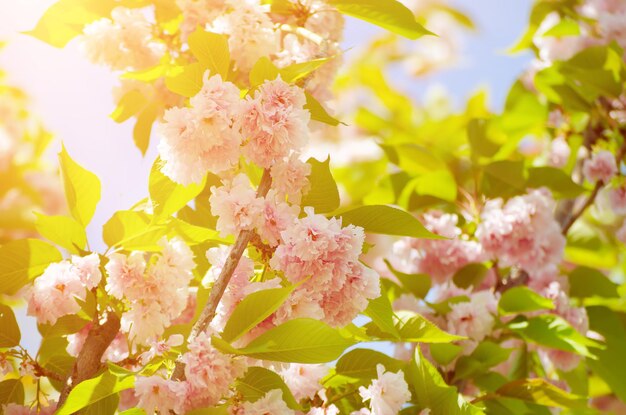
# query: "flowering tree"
(480, 253)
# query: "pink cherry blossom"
(275, 217)
(209, 372)
(88, 269)
(387, 393)
(124, 272)
(161, 347)
(202, 138)
(54, 293)
(621, 233)
(198, 13)
(125, 42)
(271, 403)
(522, 231)
(559, 152)
(439, 258)
(600, 167)
(304, 380)
(236, 206)
(290, 179)
(5, 365)
(617, 199)
(274, 122)
(160, 395)
(328, 410)
(473, 319)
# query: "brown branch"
(574, 217)
(217, 291)
(89, 359)
(41, 371)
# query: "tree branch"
(217, 291)
(89, 359)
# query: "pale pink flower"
(274, 122)
(161, 347)
(27, 368)
(202, 138)
(617, 199)
(439, 258)
(198, 13)
(250, 31)
(562, 360)
(124, 272)
(387, 393)
(290, 178)
(236, 206)
(328, 410)
(54, 293)
(553, 48)
(275, 217)
(125, 42)
(271, 403)
(217, 257)
(473, 319)
(128, 400)
(559, 152)
(303, 380)
(600, 167)
(621, 233)
(522, 231)
(209, 372)
(5, 365)
(161, 395)
(15, 409)
(88, 268)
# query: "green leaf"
(430, 391)
(211, 50)
(82, 188)
(93, 390)
(63, 231)
(11, 391)
(587, 282)
(553, 331)
(504, 178)
(263, 70)
(444, 353)
(438, 183)
(479, 140)
(389, 14)
(167, 196)
(386, 220)
(68, 324)
(22, 260)
(561, 184)
(381, 313)
(318, 112)
(133, 230)
(252, 310)
(186, 80)
(523, 299)
(298, 71)
(565, 27)
(541, 392)
(130, 104)
(143, 126)
(323, 195)
(106, 406)
(413, 328)
(9, 330)
(258, 381)
(296, 341)
(361, 363)
(470, 275)
(418, 284)
(487, 354)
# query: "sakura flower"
(27, 368)
(274, 122)
(290, 178)
(275, 218)
(621, 233)
(88, 268)
(54, 293)
(203, 138)
(198, 13)
(328, 410)
(5, 365)
(439, 258)
(159, 348)
(473, 319)
(125, 42)
(209, 372)
(617, 199)
(158, 394)
(270, 404)
(303, 380)
(522, 231)
(559, 152)
(217, 258)
(600, 168)
(236, 206)
(387, 393)
(250, 31)
(124, 272)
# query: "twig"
(89, 359)
(42, 371)
(217, 291)
(574, 217)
